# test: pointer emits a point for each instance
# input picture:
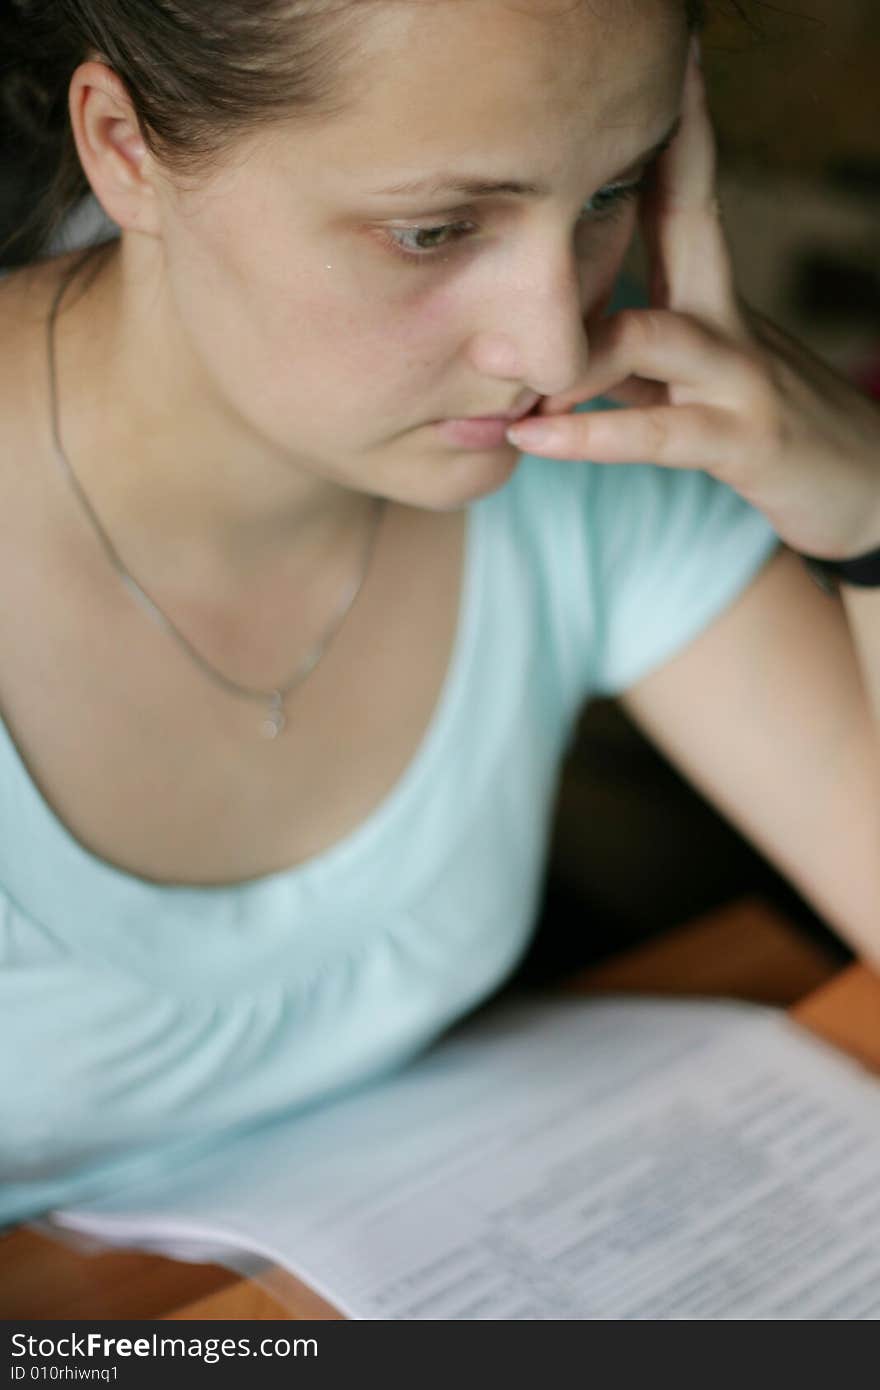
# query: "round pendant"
(275, 720)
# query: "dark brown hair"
(199, 74)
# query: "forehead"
(450, 78)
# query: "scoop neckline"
(93, 872)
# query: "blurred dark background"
(795, 95)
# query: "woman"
(293, 653)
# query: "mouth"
(483, 432)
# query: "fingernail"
(536, 433)
(697, 49)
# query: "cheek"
(313, 352)
(410, 333)
(272, 333)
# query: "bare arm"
(769, 713)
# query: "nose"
(534, 331)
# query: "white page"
(558, 1158)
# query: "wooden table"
(745, 951)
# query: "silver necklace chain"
(276, 718)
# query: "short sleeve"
(669, 550)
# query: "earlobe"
(111, 147)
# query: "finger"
(656, 345)
(680, 218)
(687, 180)
(675, 436)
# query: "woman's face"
(337, 330)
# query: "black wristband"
(862, 570)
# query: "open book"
(562, 1158)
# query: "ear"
(111, 148)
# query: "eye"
(613, 198)
(409, 242)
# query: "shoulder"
(25, 435)
(23, 303)
(25, 297)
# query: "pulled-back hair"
(199, 75)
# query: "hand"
(709, 383)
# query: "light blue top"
(139, 1023)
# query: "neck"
(164, 461)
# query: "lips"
(484, 431)
(476, 433)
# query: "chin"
(470, 475)
(448, 479)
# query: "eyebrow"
(446, 182)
